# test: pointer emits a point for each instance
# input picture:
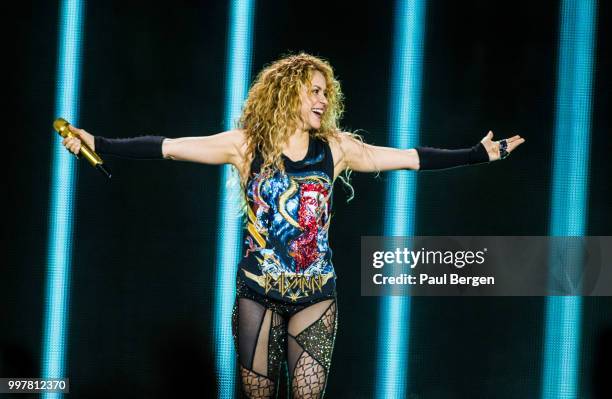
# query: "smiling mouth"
(318, 112)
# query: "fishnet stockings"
(308, 378)
(311, 339)
(259, 335)
(264, 339)
(254, 385)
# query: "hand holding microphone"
(73, 141)
(79, 142)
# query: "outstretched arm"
(363, 157)
(216, 149)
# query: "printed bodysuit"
(286, 309)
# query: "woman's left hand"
(494, 147)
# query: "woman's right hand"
(73, 144)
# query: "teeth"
(317, 111)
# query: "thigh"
(311, 335)
(260, 341)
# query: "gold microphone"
(61, 126)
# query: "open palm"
(493, 147)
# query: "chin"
(315, 125)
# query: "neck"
(295, 143)
(299, 136)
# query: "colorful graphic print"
(287, 232)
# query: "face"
(314, 102)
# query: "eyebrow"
(318, 87)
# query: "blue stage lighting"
(62, 199)
(399, 219)
(569, 204)
(238, 59)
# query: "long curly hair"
(271, 112)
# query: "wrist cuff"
(143, 147)
(437, 158)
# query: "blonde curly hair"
(271, 112)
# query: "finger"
(511, 139)
(488, 137)
(514, 144)
(75, 131)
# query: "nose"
(323, 99)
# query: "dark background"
(142, 289)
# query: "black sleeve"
(143, 147)
(436, 158)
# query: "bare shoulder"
(342, 140)
(350, 142)
(238, 139)
(340, 144)
(237, 136)
(336, 145)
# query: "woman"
(288, 152)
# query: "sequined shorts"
(264, 341)
(285, 309)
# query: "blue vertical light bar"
(229, 230)
(62, 201)
(569, 188)
(399, 219)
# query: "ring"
(503, 145)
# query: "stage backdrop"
(144, 248)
